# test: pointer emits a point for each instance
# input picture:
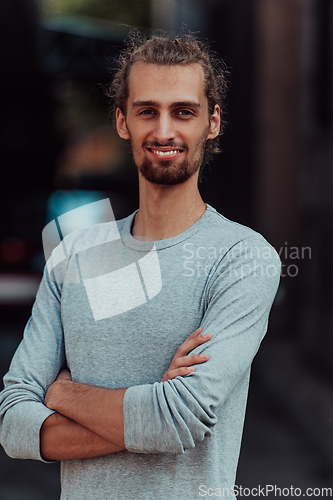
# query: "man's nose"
(164, 129)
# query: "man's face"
(167, 121)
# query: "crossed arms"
(89, 420)
(172, 416)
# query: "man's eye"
(146, 112)
(184, 112)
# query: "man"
(119, 432)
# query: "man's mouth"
(166, 153)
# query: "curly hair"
(167, 50)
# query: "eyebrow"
(154, 104)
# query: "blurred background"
(59, 151)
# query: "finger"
(178, 372)
(185, 366)
(191, 344)
(193, 359)
(194, 334)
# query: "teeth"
(165, 153)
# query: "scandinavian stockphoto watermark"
(116, 279)
(292, 255)
(269, 490)
(242, 260)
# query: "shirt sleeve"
(175, 415)
(33, 369)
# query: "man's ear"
(215, 123)
(121, 125)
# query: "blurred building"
(55, 130)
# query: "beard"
(166, 173)
(171, 172)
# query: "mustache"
(170, 144)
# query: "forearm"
(96, 408)
(63, 439)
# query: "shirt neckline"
(143, 246)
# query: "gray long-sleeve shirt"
(116, 309)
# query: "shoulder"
(235, 238)
(244, 257)
(84, 239)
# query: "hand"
(181, 363)
(52, 391)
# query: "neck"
(166, 211)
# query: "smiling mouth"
(166, 154)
